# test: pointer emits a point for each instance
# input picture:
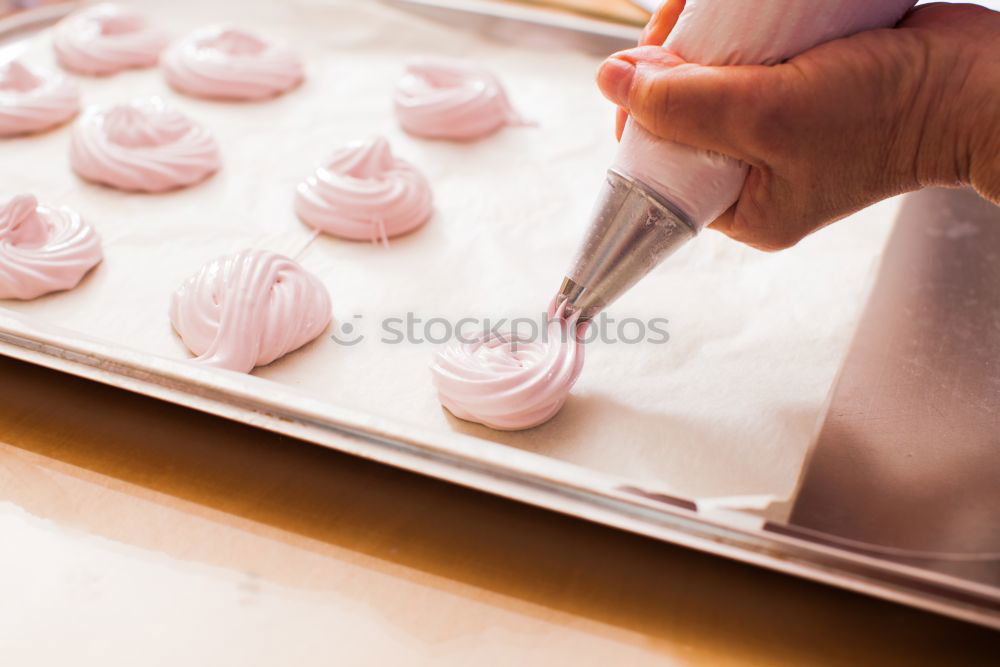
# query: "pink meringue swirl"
(507, 381)
(364, 192)
(143, 145)
(105, 39)
(231, 64)
(43, 249)
(30, 102)
(248, 309)
(442, 98)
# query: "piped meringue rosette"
(43, 249)
(509, 382)
(443, 98)
(107, 38)
(231, 64)
(249, 309)
(364, 192)
(143, 146)
(31, 101)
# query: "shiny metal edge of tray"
(490, 467)
(524, 25)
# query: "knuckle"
(650, 97)
(777, 242)
(762, 227)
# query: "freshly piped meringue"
(231, 64)
(105, 39)
(43, 249)
(508, 382)
(143, 145)
(442, 98)
(363, 192)
(31, 102)
(248, 309)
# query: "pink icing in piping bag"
(659, 194)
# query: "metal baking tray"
(798, 538)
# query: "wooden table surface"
(133, 532)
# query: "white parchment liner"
(726, 408)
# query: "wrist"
(983, 119)
(942, 143)
(957, 112)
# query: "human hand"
(836, 128)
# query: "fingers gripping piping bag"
(659, 194)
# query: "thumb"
(702, 106)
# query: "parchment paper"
(727, 407)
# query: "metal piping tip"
(633, 229)
(573, 294)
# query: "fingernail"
(615, 79)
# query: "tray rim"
(536, 15)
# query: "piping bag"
(659, 194)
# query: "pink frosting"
(105, 39)
(231, 64)
(364, 192)
(442, 98)
(143, 145)
(43, 249)
(508, 382)
(30, 102)
(248, 309)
